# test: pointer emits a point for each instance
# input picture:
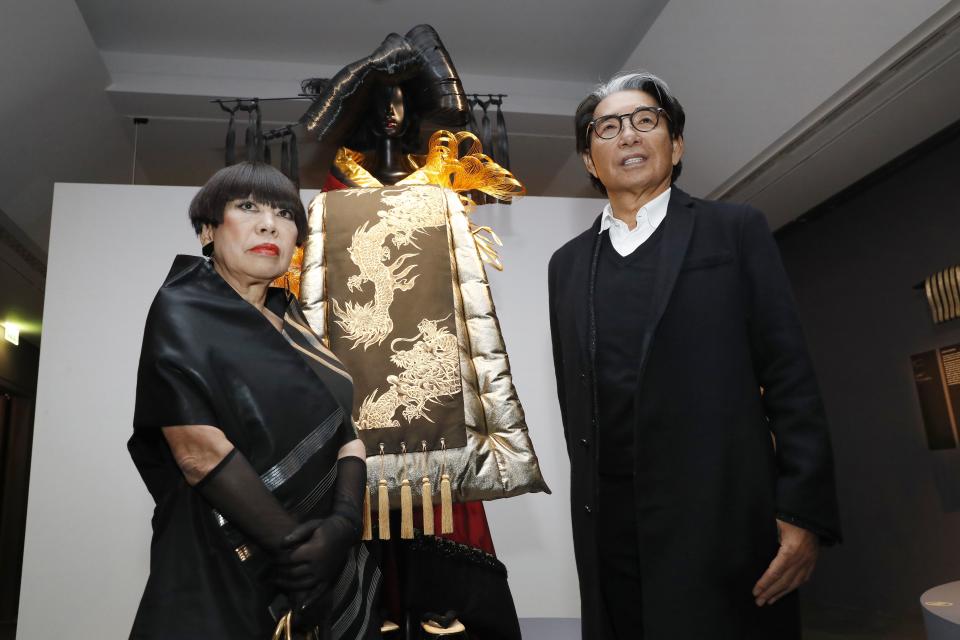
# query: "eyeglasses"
(642, 119)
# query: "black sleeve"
(171, 389)
(557, 348)
(235, 490)
(805, 490)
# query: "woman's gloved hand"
(316, 552)
(317, 549)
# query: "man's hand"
(792, 567)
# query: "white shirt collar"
(651, 214)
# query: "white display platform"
(941, 612)
(88, 523)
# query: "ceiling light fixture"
(11, 332)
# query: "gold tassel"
(446, 494)
(406, 498)
(383, 501)
(406, 510)
(383, 510)
(427, 502)
(446, 505)
(367, 516)
(426, 493)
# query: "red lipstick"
(266, 249)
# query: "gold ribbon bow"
(475, 171)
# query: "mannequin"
(366, 120)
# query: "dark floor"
(824, 623)
(821, 624)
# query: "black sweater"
(623, 290)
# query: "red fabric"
(469, 526)
(332, 184)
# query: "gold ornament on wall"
(942, 290)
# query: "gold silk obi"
(393, 281)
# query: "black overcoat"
(716, 462)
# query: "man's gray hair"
(632, 80)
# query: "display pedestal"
(941, 612)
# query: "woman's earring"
(207, 250)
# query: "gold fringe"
(367, 516)
(406, 510)
(446, 505)
(427, 502)
(383, 510)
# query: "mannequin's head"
(390, 114)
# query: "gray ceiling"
(560, 39)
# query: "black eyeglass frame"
(658, 111)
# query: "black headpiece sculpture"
(339, 115)
(418, 63)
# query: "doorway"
(16, 439)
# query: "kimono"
(283, 401)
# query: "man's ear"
(588, 163)
(677, 150)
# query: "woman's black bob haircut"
(255, 180)
(639, 80)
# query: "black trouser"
(619, 561)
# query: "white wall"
(88, 524)
(747, 71)
(532, 533)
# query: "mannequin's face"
(389, 111)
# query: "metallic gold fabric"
(441, 166)
(498, 460)
(475, 171)
(349, 163)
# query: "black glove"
(317, 549)
(234, 489)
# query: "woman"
(242, 434)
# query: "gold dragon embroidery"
(407, 212)
(430, 370)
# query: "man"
(699, 500)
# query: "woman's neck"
(253, 292)
(389, 168)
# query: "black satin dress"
(283, 400)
